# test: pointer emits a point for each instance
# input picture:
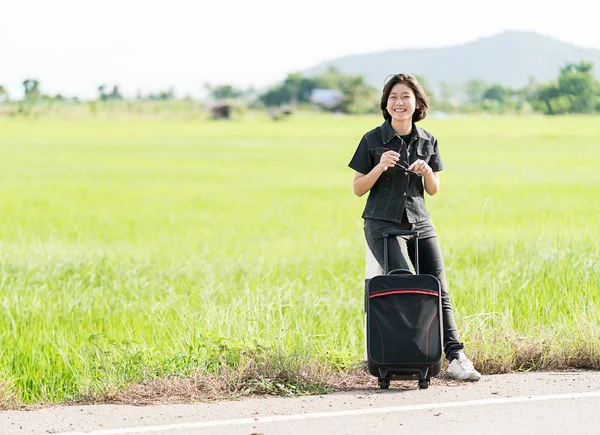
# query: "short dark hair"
(420, 95)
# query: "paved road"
(516, 404)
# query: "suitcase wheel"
(424, 383)
(384, 383)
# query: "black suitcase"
(403, 322)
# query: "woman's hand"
(420, 167)
(389, 158)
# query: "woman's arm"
(363, 182)
(432, 182)
(430, 179)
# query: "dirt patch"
(203, 388)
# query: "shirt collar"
(388, 132)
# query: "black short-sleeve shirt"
(396, 192)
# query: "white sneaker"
(462, 368)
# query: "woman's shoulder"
(425, 134)
(374, 133)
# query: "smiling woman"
(411, 162)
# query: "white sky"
(72, 46)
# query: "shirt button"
(404, 193)
(406, 173)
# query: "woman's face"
(401, 102)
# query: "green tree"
(579, 85)
(499, 98)
(223, 92)
(275, 96)
(330, 79)
(496, 93)
(101, 91)
(550, 101)
(115, 93)
(293, 83)
(294, 89)
(359, 96)
(163, 95)
(105, 95)
(32, 90)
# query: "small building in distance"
(221, 110)
(328, 99)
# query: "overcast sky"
(72, 46)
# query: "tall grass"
(139, 249)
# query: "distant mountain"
(509, 58)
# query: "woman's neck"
(402, 127)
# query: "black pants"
(430, 262)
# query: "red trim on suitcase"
(400, 292)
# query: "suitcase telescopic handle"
(411, 234)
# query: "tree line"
(575, 90)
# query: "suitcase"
(404, 329)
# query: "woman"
(396, 163)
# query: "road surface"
(549, 403)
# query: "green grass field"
(138, 249)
